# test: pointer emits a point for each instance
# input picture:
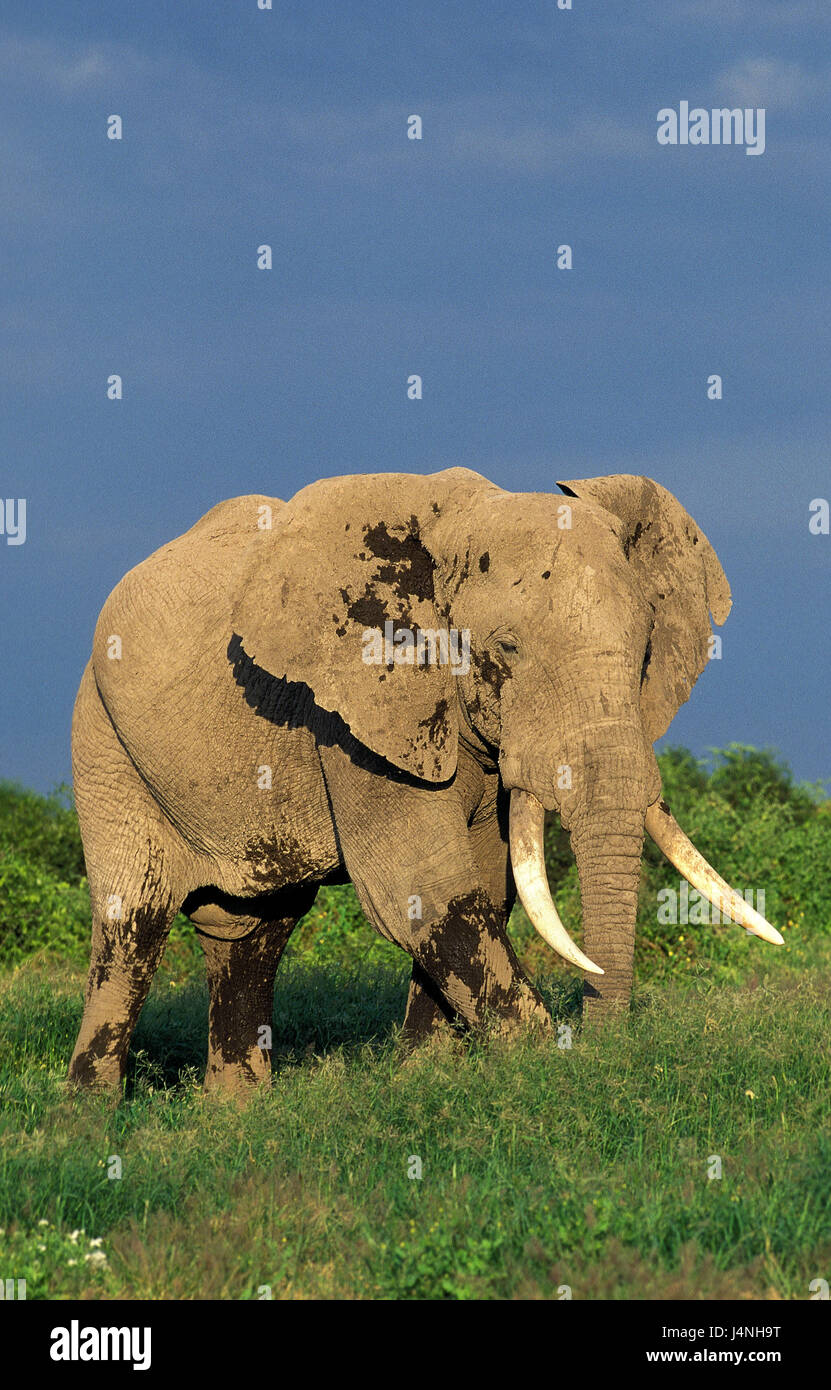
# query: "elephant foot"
(85, 1081)
(238, 1080)
(520, 1027)
(443, 1043)
(99, 1061)
(428, 1012)
(529, 1011)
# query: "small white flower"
(96, 1258)
(41, 1247)
(43, 1223)
(95, 1244)
(73, 1236)
(71, 1262)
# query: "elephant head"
(581, 622)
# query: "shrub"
(742, 809)
(39, 912)
(744, 776)
(43, 830)
(758, 828)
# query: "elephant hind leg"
(137, 870)
(128, 938)
(241, 972)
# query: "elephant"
(388, 680)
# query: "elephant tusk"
(526, 839)
(680, 851)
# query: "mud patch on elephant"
(104, 1045)
(492, 673)
(460, 571)
(468, 947)
(453, 945)
(484, 706)
(647, 656)
(137, 939)
(437, 725)
(631, 541)
(233, 1039)
(427, 1008)
(406, 566)
(241, 980)
(432, 736)
(274, 861)
(472, 964)
(368, 611)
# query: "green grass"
(543, 1168)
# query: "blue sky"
(394, 256)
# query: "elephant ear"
(681, 576)
(346, 557)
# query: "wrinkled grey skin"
(233, 750)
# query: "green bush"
(741, 808)
(683, 777)
(43, 830)
(757, 827)
(744, 776)
(760, 830)
(38, 911)
(336, 929)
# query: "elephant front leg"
(490, 980)
(427, 1009)
(414, 864)
(463, 962)
(509, 990)
(466, 953)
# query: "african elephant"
(388, 680)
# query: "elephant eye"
(507, 645)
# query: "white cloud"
(542, 148)
(52, 66)
(770, 82)
(603, 135)
(67, 70)
(779, 14)
(457, 134)
(212, 131)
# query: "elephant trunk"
(607, 846)
(614, 796)
(612, 779)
